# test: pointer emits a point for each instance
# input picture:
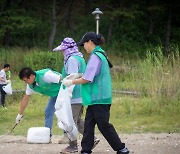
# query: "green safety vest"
(8, 73)
(77, 89)
(100, 90)
(49, 89)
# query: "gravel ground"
(137, 144)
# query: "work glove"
(67, 82)
(19, 118)
(74, 76)
(8, 81)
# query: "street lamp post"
(97, 12)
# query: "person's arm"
(24, 103)
(92, 70)
(1, 79)
(79, 81)
(51, 77)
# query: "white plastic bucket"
(38, 135)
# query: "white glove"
(67, 83)
(74, 76)
(19, 118)
(8, 81)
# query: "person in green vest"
(46, 82)
(74, 65)
(97, 95)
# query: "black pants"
(99, 114)
(3, 94)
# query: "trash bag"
(64, 113)
(8, 89)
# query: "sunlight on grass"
(154, 109)
(33, 116)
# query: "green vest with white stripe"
(100, 90)
(42, 87)
(77, 88)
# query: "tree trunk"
(168, 31)
(54, 24)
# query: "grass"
(128, 115)
(33, 116)
(137, 115)
(155, 110)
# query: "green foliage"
(18, 25)
(27, 28)
(156, 77)
(40, 60)
(34, 58)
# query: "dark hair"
(6, 65)
(97, 39)
(101, 39)
(26, 72)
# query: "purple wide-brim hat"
(66, 44)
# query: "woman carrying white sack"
(4, 82)
(74, 65)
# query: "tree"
(118, 12)
(54, 25)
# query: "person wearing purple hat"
(74, 65)
(97, 95)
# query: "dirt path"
(136, 143)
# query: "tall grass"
(155, 109)
(156, 77)
(34, 58)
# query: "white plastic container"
(38, 135)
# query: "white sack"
(8, 89)
(38, 135)
(64, 114)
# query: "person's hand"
(19, 118)
(67, 82)
(8, 81)
(74, 76)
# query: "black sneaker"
(123, 151)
